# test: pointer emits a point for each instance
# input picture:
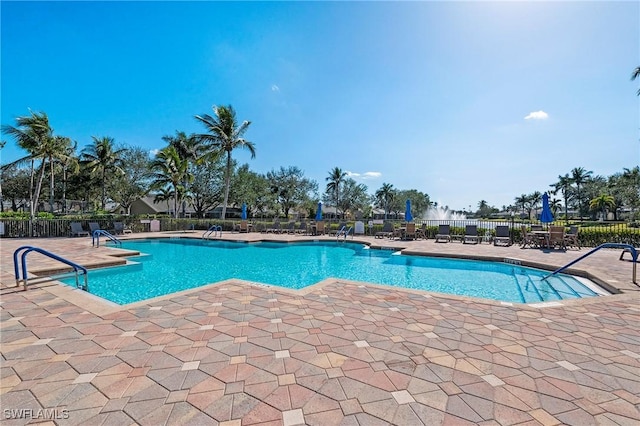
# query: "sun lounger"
(77, 231)
(502, 235)
(387, 230)
(444, 233)
(470, 234)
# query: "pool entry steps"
(22, 266)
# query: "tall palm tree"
(335, 179)
(385, 196)
(602, 202)
(521, 201)
(170, 170)
(102, 158)
(223, 137)
(635, 74)
(189, 149)
(563, 185)
(579, 176)
(34, 134)
(61, 152)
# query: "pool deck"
(340, 352)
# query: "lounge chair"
(444, 233)
(275, 228)
(291, 228)
(93, 226)
(77, 231)
(302, 228)
(387, 230)
(119, 228)
(470, 234)
(410, 231)
(502, 235)
(556, 237)
(571, 237)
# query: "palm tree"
(225, 135)
(34, 134)
(635, 74)
(189, 150)
(385, 196)
(580, 176)
(521, 201)
(170, 170)
(102, 158)
(603, 202)
(335, 180)
(563, 185)
(555, 205)
(535, 198)
(164, 194)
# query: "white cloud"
(364, 176)
(275, 88)
(537, 115)
(154, 152)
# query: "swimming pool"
(170, 265)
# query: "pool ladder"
(344, 231)
(22, 266)
(213, 230)
(626, 247)
(95, 237)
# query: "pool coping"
(99, 306)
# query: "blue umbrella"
(546, 216)
(407, 213)
(244, 211)
(319, 212)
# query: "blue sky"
(461, 100)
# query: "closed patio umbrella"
(319, 212)
(546, 216)
(407, 214)
(244, 211)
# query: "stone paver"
(342, 352)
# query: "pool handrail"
(95, 237)
(344, 231)
(212, 230)
(28, 249)
(629, 247)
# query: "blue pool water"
(170, 265)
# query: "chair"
(387, 230)
(529, 239)
(320, 228)
(502, 235)
(77, 231)
(470, 234)
(275, 228)
(536, 228)
(291, 228)
(556, 237)
(444, 233)
(571, 237)
(119, 228)
(302, 228)
(410, 231)
(93, 226)
(422, 231)
(244, 226)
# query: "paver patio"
(237, 353)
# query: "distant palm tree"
(103, 158)
(334, 181)
(635, 74)
(563, 185)
(521, 202)
(385, 196)
(534, 199)
(603, 202)
(580, 176)
(224, 135)
(555, 205)
(170, 170)
(189, 149)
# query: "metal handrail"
(28, 249)
(95, 237)
(632, 249)
(344, 231)
(212, 230)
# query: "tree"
(134, 183)
(580, 176)
(535, 199)
(521, 202)
(563, 185)
(384, 196)
(33, 134)
(251, 188)
(603, 202)
(207, 186)
(290, 187)
(555, 204)
(635, 74)
(224, 136)
(334, 181)
(168, 169)
(354, 196)
(103, 159)
(189, 149)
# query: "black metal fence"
(591, 234)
